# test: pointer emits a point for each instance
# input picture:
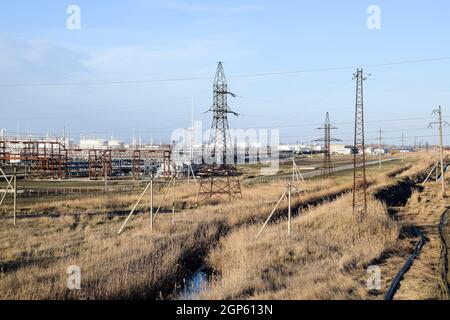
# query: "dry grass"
(106, 203)
(34, 256)
(313, 264)
(423, 281)
(135, 265)
(426, 161)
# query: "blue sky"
(146, 40)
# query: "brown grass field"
(320, 261)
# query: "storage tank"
(93, 143)
(116, 144)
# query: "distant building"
(378, 151)
(288, 148)
(406, 150)
(340, 149)
(115, 144)
(93, 143)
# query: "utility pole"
(440, 124)
(192, 133)
(106, 179)
(191, 146)
(220, 179)
(379, 149)
(173, 201)
(327, 168)
(359, 152)
(15, 194)
(403, 150)
(287, 195)
(289, 208)
(151, 204)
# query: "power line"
(270, 127)
(405, 137)
(338, 123)
(247, 75)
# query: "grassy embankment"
(34, 256)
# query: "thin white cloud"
(36, 60)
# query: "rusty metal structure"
(327, 167)
(219, 176)
(50, 159)
(41, 158)
(359, 152)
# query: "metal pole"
(359, 157)
(151, 204)
(15, 194)
(289, 209)
(106, 178)
(173, 203)
(403, 150)
(381, 154)
(442, 151)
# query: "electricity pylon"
(359, 152)
(327, 167)
(220, 178)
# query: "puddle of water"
(194, 285)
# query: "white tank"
(115, 144)
(93, 143)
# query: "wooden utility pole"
(296, 173)
(134, 208)
(440, 124)
(287, 193)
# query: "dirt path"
(445, 235)
(424, 281)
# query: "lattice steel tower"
(219, 175)
(327, 168)
(220, 144)
(359, 158)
